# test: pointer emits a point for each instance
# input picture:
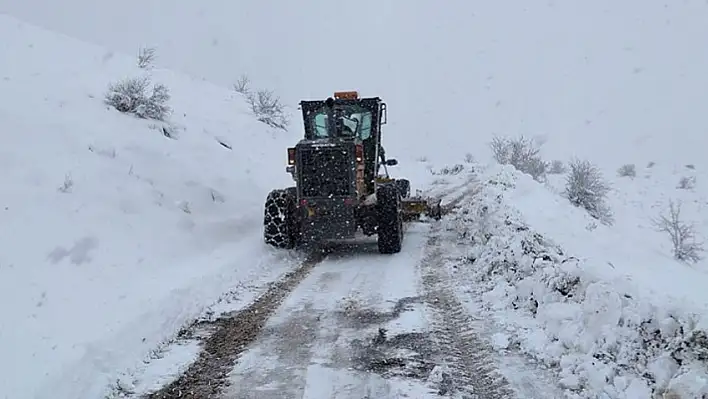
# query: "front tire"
(279, 219)
(390, 219)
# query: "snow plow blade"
(414, 208)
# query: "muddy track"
(467, 356)
(228, 336)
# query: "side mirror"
(391, 162)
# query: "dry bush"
(521, 153)
(586, 188)
(136, 96)
(682, 234)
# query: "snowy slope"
(581, 74)
(637, 201)
(113, 235)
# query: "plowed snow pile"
(113, 235)
(591, 309)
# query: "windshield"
(355, 121)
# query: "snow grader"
(342, 184)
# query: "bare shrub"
(682, 234)
(68, 184)
(134, 96)
(586, 188)
(651, 164)
(687, 183)
(268, 109)
(216, 196)
(242, 85)
(627, 170)
(449, 170)
(185, 207)
(557, 167)
(146, 56)
(469, 158)
(536, 168)
(521, 153)
(265, 106)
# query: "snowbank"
(114, 235)
(611, 319)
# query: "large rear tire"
(279, 219)
(390, 219)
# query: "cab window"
(356, 118)
(321, 124)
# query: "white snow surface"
(113, 235)
(150, 231)
(612, 317)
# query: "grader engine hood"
(325, 169)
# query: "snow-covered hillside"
(112, 234)
(638, 201)
(603, 79)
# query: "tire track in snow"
(276, 364)
(467, 357)
(460, 191)
(325, 340)
(228, 336)
(443, 193)
(453, 203)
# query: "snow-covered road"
(357, 324)
(324, 341)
